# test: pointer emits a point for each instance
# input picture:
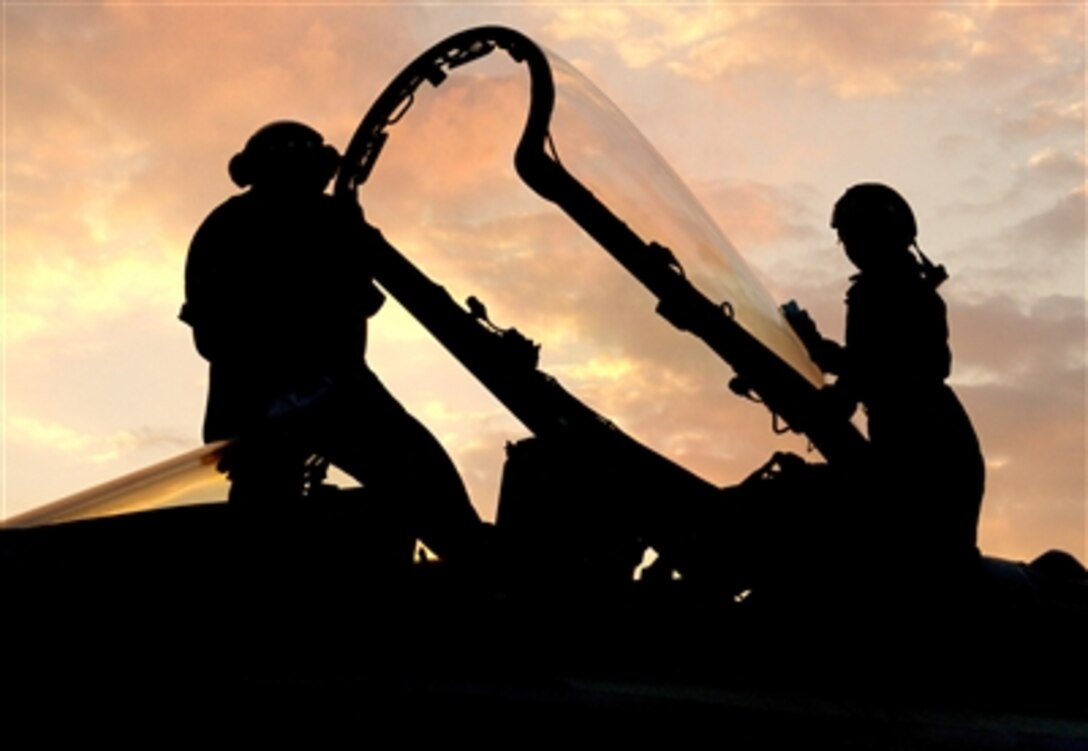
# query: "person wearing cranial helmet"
(927, 476)
(278, 293)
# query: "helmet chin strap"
(933, 273)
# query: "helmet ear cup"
(240, 169)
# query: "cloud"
(1021, 372)
(761, 216)
(56, 295)
(88, 447)
(848, 50)
(1056, 164)
(1048, 172)
(642, 36)
(110, 162)
(454, 140)
(783, 234)
(539, 273)
(1011, 37)
(1057, 231)
(1019, 227)
(1046, 118)
(1031, 255)
(1036, 478)
(1018, 346)
(851, 50)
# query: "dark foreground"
(321, 620)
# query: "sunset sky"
(119, 119)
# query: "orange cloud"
(854, 51)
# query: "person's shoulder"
(230, 207)
(241, 203)
(229, 213)
(219, 231)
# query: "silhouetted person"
(924, 490)
(278, 293)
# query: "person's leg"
(368, 434)
(265, 470)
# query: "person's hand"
(801, 323)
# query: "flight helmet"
(873, 213)
(286, 153)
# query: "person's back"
(927, 460)
(278, 294)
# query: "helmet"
(283, 151)
(873, 212)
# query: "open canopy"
(447, 193)
(449, 146)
